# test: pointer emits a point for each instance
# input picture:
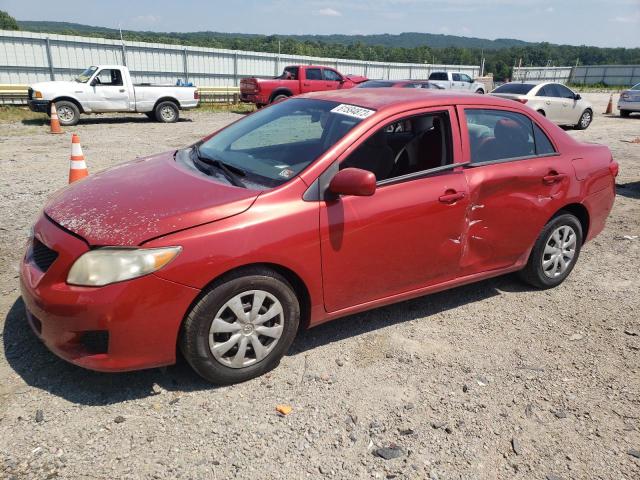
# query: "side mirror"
(93, 83)
(353, 181)
(577, 96)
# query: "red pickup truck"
(295, 79)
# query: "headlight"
(37, 94)
(108, 265)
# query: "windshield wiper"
(229, 174)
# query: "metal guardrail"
(17, 94)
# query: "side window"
(438, 76)
(456, 77)
(414, 144)
(465, 78)
(543, 92)
(292, 71)
(331, 75)
(314, 74)
(564, 92)
(109, 77)
(499, 135)
(543, 144)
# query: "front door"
(408, 234)
(108, 93)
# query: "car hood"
(144, 199)
(57, 86)
(356, 78)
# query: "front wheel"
(68, 113)
(241, 327)
(625, 113)
(167, 112)
(480, 91)
(585, 120)
(555, 252)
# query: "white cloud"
(632, 18)
(328, 12)
(549, 9)
(146, 20)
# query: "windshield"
(275, 144)
(86, 75)
(516, 88)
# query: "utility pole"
(124, 51)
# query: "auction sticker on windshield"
(353, 111)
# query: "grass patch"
(17, 113)
(226, 107)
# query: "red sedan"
(312, 209)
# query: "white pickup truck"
(456, 81)
(108, 88)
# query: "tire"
(68, 113)
(480, 91)
(541, 112)
(585, 120)
(534, 272)
(166, 112)
(625, 113)
(279, 98)
(199, 332)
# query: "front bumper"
(137, 321)
(41, 106)
(629, 105)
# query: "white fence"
(27, 57)
(610, 75)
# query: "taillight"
(614, 168)
(196, 95)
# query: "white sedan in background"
(553, 100)
(629, 101)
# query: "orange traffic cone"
(78, 167)
(609, 105)
(55, 123)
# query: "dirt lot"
(491, 380)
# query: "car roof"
(386, 97)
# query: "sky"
(603, 23)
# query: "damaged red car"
(314, 208)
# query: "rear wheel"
(585, 120)
(555, 252)
(625, 113)
(68, 113)
(279, 98)
(241, 327)
(480, 91)
(541, 112)
(167, 112)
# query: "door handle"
(306, 84)
(548, 102)
(122, 90)
(451, 196)
(553, 178)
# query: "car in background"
(629, 101)
(110, 88)
(555, 101)
(294, 80)
(399, 84)
(315, 208)
(457, 81)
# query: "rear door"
(313, 80)
(553, 104)
(108, 92)
(517, 180)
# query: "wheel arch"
(67, 99)
(298, 285)
(280, 91)
(581, 213)
(166, 99)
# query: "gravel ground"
(492, 380)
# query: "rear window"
(438, 76)
(516, 88)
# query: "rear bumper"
(630, 106)
(124, 326)
(41, 106)
(599, 206)
(253, 98)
